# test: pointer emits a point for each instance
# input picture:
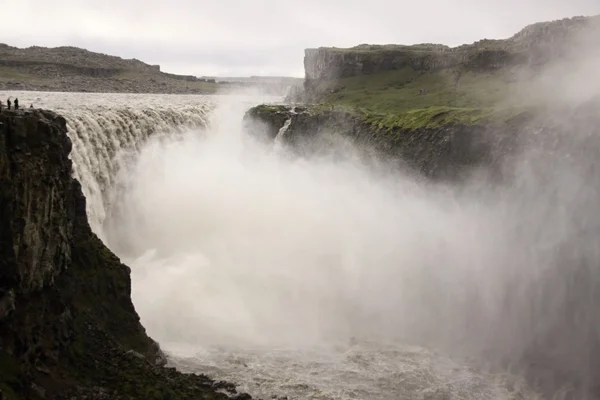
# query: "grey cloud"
(228, 36)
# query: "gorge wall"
(68, 328)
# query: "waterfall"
(104, 139)
(334, 278)
(283, 130)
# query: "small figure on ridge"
(16, 103)
(8, 103)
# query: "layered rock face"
(36, 219)
(68, 328)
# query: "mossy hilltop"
(68, 328)
(498, 74)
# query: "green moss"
(426, 118)
(429, 117)
(399, 90)
(269, 109)
(437, 116)
(411, 99)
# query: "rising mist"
(239, 244)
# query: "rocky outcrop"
(68, 328)
(447, 151)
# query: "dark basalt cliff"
(68, 328)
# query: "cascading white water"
(101, 137)
(283, 130)
(108, 130)
(316, 278)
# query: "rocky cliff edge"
(68, 328)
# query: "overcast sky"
(263, 37)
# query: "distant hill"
(79, 70)
(271, 84)
(534, 44)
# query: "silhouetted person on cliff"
(8, 103)
(31, 106)
(16, 104)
